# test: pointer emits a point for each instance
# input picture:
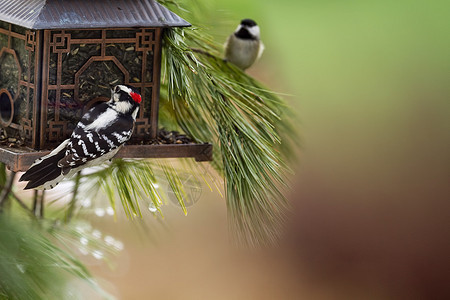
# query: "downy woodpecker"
(97, 137)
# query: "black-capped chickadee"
(244, 47)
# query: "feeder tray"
(21, 158)
(60, 60)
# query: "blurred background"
(370, 217)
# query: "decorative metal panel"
(81, 67)
(19, 55)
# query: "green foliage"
(250, 127)
(133, 183)
(31, 265)
(2, 174)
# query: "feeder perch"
(59, 58)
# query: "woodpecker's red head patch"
(136, 97)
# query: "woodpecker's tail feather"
(45, 173)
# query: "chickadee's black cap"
(248, 22)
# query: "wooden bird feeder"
(58, 58)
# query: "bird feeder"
(59, 58)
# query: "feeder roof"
(77, 14)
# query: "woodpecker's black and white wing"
(96, 139)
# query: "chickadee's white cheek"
(254, 31)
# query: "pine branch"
(38, 203)
(41, 205)
(23, 205)
(215, 101)
(71, 209)
(204, 52)
(33, 266)
(35, 201)
(5, 193)
(133, 181)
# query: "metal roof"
(59, 14)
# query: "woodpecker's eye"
(117, 89)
